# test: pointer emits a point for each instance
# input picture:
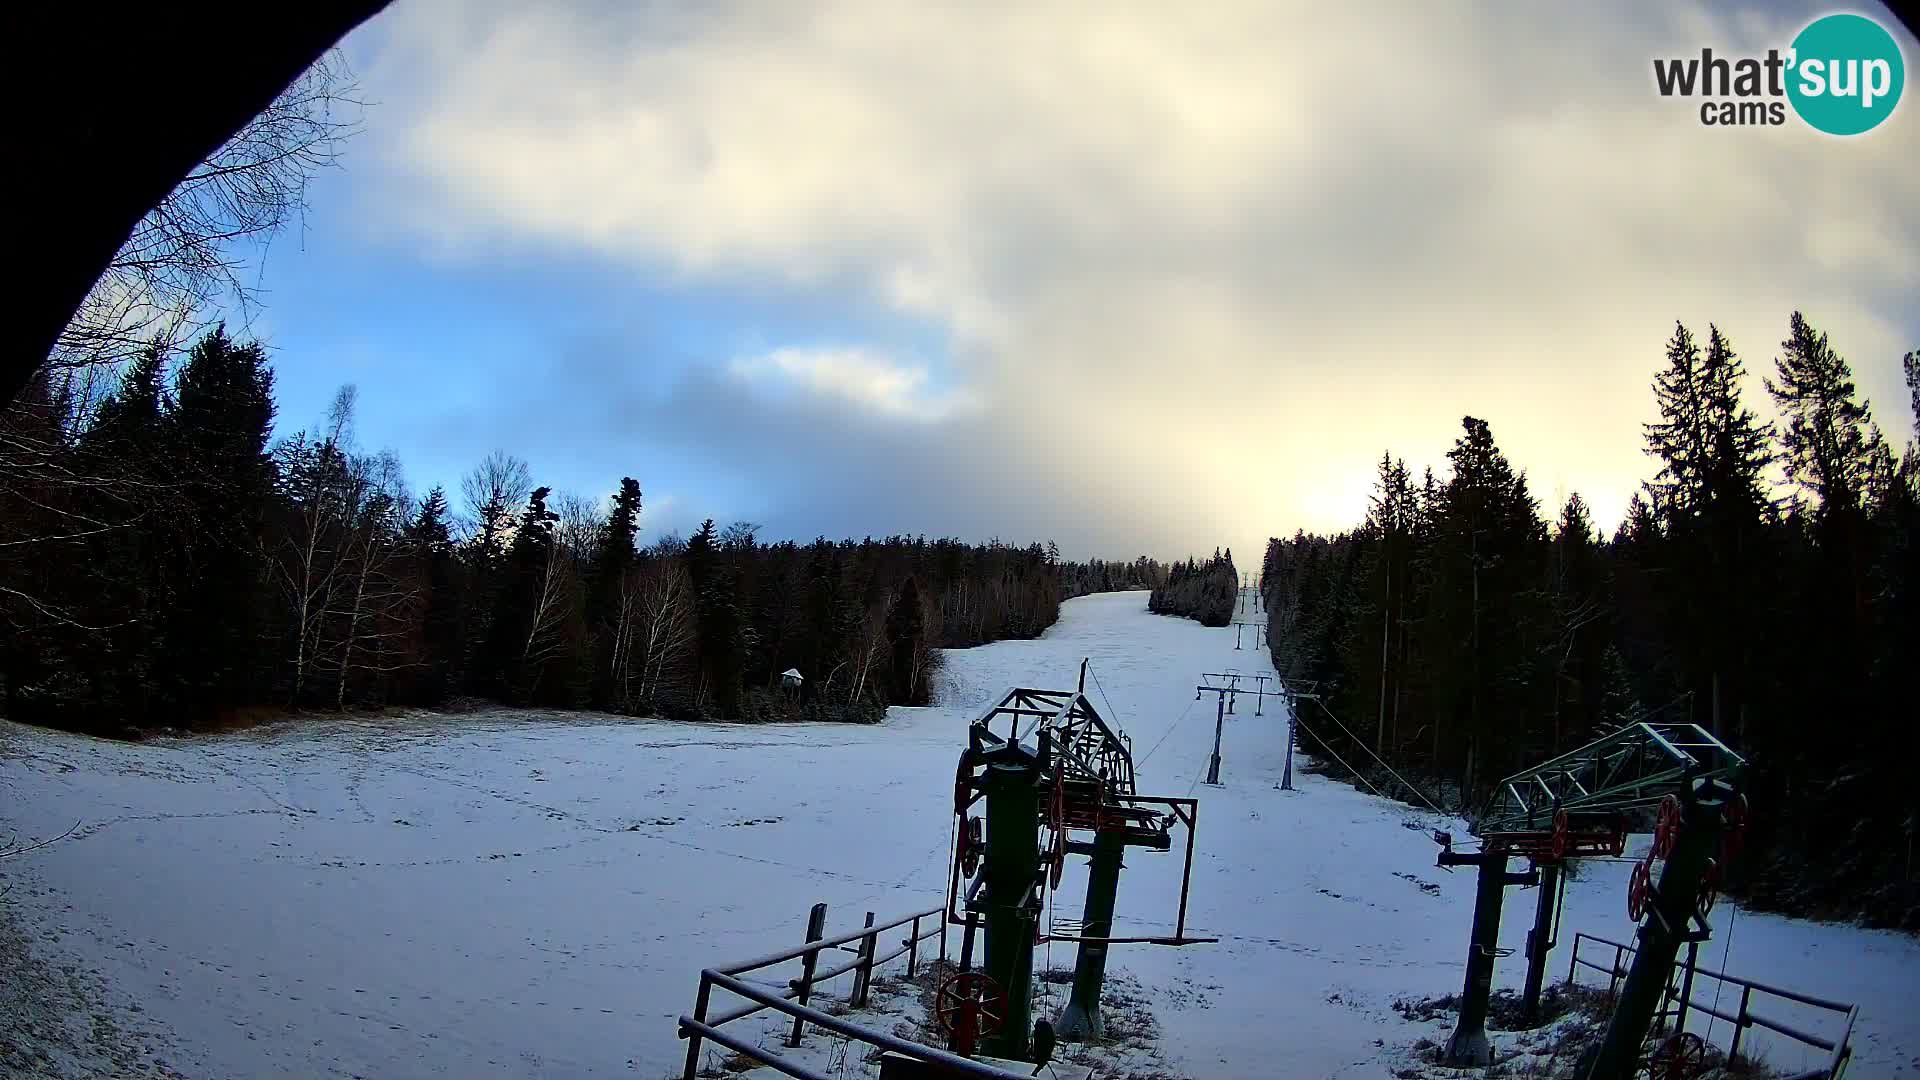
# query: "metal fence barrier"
(704, 1026)
(1679, 1001)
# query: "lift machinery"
(1578, 805)
(1053, 779)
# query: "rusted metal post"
(1740, 1024)
(693, 1037)
(863, 975)
(816, 929)
(913, 947)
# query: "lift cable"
(1356, 739)
(1165, 734)
(1357, 775)
(1719, 984)
(1117, 722)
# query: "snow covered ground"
(520, 894)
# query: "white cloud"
(1203, 260)
(864, 378)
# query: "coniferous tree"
(221, 412)
(534, 647)
(443, 599)
(716, 621)
(608, 579)
(1710, 493)
(1830, 441)
(906, 638)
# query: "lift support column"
(1673, 903)
(1540, 940)
(1468, 1046)
(1081, 1018)
(1012, 867)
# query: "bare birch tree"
(494, 491)
(663, 629)
(376, 601)
(183, 256)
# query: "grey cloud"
(1199, 266)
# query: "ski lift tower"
(1576, 806)
(1228, 686)
(1295, 691)
(1056, 780)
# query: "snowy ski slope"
(523, 894)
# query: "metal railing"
(1679, 1000)
(792, 1001)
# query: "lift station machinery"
(1053, 779)
(1577, 806)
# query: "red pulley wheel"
(968, 1006)
(1666, 827)
(1639, 890)
(1681, 1057)
(1560, 831)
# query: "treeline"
(1206, 591)
(1100, 575)
(1460, 634)
(163, 562)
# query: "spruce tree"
(906, 625)
(718, 648)
(1830, 440)
(443, 600)
(217, 427)
(613, 557)
(1679, 439)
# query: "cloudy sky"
(1135, 276)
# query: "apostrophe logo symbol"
(1845, 74)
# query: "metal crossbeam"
(1636, 766)
(1088, 747)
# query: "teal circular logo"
(1845, 74)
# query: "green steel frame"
(1636, 766)
(1055, 761)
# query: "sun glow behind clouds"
(1204, 264)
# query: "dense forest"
(1100, 575)
(166, 562)
(1762, 586)
(1204, 591)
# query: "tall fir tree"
(443, 600)
(220, 416)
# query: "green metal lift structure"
(1055, 779)
(1578, 805)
